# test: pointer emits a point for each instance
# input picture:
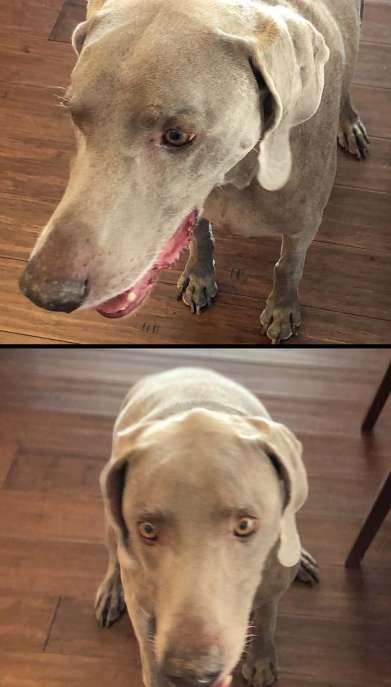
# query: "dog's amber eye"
(245, 527)
(148, 531)
(177, 138)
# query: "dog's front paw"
(109, 602)
(280, 322)
(353, 137)
(260, 672)
(197, 291)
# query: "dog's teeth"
(131, 297)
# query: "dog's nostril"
(63, 295)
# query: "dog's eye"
(148, 531)
(245, 527)
(176, 138)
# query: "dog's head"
(198, 502)
(167, 98)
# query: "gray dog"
(201, 496)
(191, 112)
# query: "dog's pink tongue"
(115, 304)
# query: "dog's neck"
(242, 174)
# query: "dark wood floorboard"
(345, 292)
(57, 409)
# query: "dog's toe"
(109, 603)
(353, 138)
(198, 292)
(259, 673)
(279, 323)
(308, 572)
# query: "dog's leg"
(109, 601)
(281, 317)
(144, 630)
(197, 284)
(259, 667)
(352, 134)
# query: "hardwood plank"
(58, 671)
(374, 105)
(16, 338)
(374, 65)
(361, 595)
(54, 568)
(75, 632)
(91, 434)
(329, 538)
(373, 174)
(34, 16)
(301, 655)
(31, 60)
(377, 22)
(52, 516)
(8, 452)
(24, 622)
(72, 12)
(47, 472)
(98, 383)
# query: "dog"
(189, 114)
(201, 494)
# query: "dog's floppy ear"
(112, 480)
(288, 56)
(79, 35)
(285, 451)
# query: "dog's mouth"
(130, 300)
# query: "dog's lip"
(223, 681)
(130, 300)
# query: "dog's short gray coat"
(196, 457)
(262, 86)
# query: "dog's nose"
(62, 295)
(206, 680)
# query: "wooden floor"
(345, 291)
(56, 413)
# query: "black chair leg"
(378, 402)
(371, 525)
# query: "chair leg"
(371, 525)
(378, 402)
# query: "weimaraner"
(192, 113)
(201, 495)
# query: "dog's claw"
(197, 292)
(182, 288)
(308, 572)
(279, 323)
(353, 136)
